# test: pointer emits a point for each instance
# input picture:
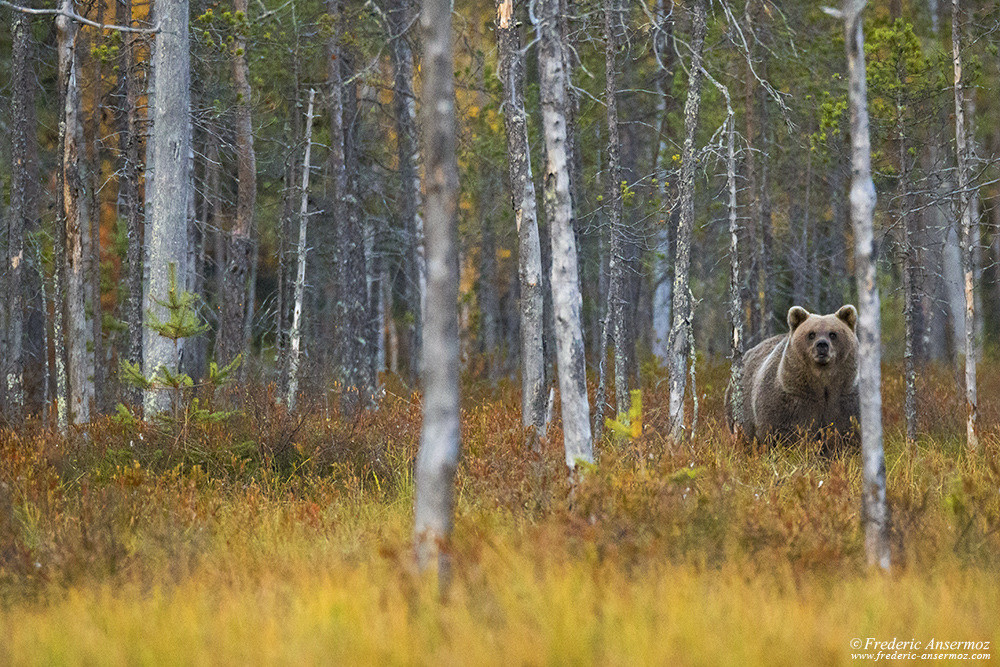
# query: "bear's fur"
(803, 383)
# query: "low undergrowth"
(285, 538)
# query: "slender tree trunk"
(130, 142)
(439, 437)
(489, 300)
(567, 302)
(526, 217)
(168, 185)
(910, 302)
(75, 216)
(965, 210)
(662, 272)
(874, 509)
(20, 212)
(231, 339)
(400, 18)
(295, 334)
(613, 330)
(617, 260)
(680, 333)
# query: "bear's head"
(824, 342)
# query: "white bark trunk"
(567, 302)
(968, 238)
(526, 217)
(439, 437)
(874, 510)
(680, 334)
(168, 184)
(295, 335)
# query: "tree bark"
(437, 459)
(526, 217)
(567, 302)
(295, 333)
(75, 216)
(680, 333)
(663, 271)
(411, 220)
(129, 147)
(168, 185)
(231, 339)
(874, 509)
(967, 238)
(20, 211)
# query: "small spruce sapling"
(183, 321)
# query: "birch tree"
(680, 333)
(567, 302)
(168, 185)
(437, 459)
(526, 217)
(967, 236)
(874, 509)
(295, 335)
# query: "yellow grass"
(272, 542)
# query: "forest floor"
(270, 538)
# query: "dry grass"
(280, 539)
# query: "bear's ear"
(849, 314)
(796, 316)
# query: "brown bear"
(803, 383)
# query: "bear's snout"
(821, 351)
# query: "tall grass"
(285, 539)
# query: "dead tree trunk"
(680, 333)
(168, 185)
(295, 334)
(439, 437)
(967, 238)
(874, 509)
(526, 217)
(75, 216)
(567, 302)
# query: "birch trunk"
(967, 238)
(680, 333)
(437, 459)
(526, 217)
(168, 185)
(400, 18)
(295, 334)
(567, 302)
(874, 509)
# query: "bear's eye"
(833, 335)
(812, 334)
